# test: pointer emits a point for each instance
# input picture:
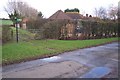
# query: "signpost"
(17, 21)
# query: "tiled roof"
(75, 15)
(61, 15)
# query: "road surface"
(94, 62)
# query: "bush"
(7, 34)
(46, 29)
(100, 29)
(57, 29)
(52, 29)
(36, 24)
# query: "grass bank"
(6, 22)
(24, 51)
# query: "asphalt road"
(94, 62)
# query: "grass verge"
(24, 51)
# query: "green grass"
(23, 34)
(0, 33)
(24, 50)
(0, 54)
(6, 22)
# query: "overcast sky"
(48, 7)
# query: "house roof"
(61, 15)
(75, 15)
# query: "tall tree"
(113, 12)
(22, 8)
(13, 16)
(119, 10)
(96, 12)
(101, 13)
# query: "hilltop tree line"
(21, 10)
(26, 11)
(105, 14)
(72, 10)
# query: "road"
(94, 62)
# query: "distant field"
(24, 51)
(6, 22)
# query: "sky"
(49, 7)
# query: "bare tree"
(113, 12)
(22, 8)
(101, 13)
(96, 12)
(119, 10)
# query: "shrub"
(46, 29)
(36, 24)
(7, 34)
(100, 29)
(52, 29)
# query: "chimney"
(86, 15)
(90, 16)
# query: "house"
(23, 23)
(73, 26)
(68, 15)
(60, 15)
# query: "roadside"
(72, 64)
(37, 49)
